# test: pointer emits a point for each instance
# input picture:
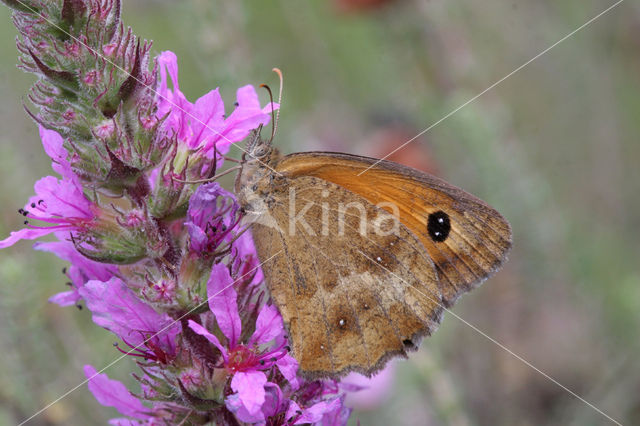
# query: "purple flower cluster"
(160, 261)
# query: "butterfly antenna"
(273, 114)
(277, 71)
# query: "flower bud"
(171, 193)
(73, 14)
(123, 238)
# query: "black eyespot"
(438, 226)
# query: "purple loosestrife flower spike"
(158, 260)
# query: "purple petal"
(197, 237)
(204, 204)
(247, 263)
(118, 309)
(52, 143)
(212, 215)
(247, 97)
(223, 303)
(268, 326)
(71, 297)
(82, 269)
(24, 234)
(209, 118)
(247, 116)
(288, 366)
(66, 298)
(65, 250)
(172, 102)
(194, 124)
(112, 393)
(338, 416)
(59, 199)
(181, 112)
(240, 123)
(198, 329)
(202, 125)
(274, 400)
(270, 107)
(293, 411)
(314, 413)
(124, 422)
(168, 61)
(249, 385)
(152, 177)
(54, 147)
(235, 405)
(368, 393)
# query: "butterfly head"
(258, 163)
(257, 149)
(260, 158)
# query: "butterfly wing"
(350, 298)
(466, 239)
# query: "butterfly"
(362, 256)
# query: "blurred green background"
(554, 148)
